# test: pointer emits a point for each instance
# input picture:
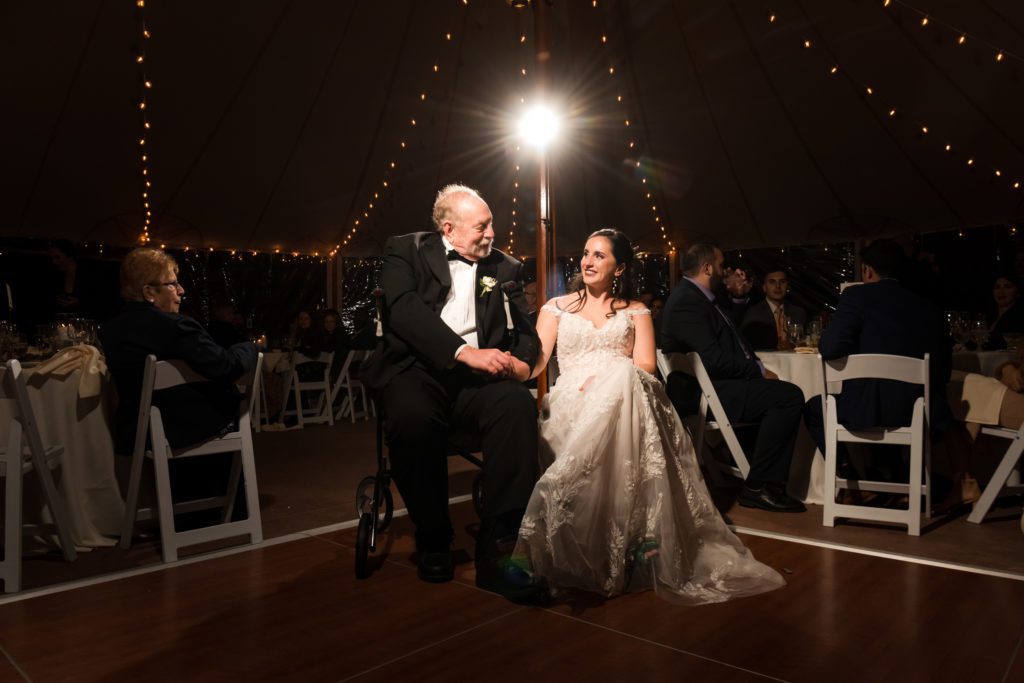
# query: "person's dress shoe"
(435, 567)
(769, 497)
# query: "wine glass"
(979, 333)
(795, 331)
(814, 329)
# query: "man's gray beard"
(483, 252)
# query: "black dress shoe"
(769, 497)
(435, 567)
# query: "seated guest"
(883, 316)
(335, 339)
(978, 401)
(749, 393)
(67, 285)
(151, 324)
(222, 326)
(764, 324)
(453, 354)
(307, 340)
(1009, 312)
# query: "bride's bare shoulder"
(636, 306)
(565, 302)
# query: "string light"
(924, 129)
(145, 85)
(372, 203)
(929, 20)
(631, 143)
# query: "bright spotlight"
(539, 126)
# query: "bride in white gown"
(622, 505)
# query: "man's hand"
(737, 282)
(491, 362)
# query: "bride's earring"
(615, 286)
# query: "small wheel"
(385, 510)
(364, 494)
(364, 501)
(363, 545)
(478, 494)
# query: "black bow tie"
(456, 256)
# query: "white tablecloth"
(87, 480)
(807, 471)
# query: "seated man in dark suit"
(764, 324)
(692, 321)
(883, 316)
(457, 346)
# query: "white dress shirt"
(459, 311)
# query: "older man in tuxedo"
(693, 321)
(457, 345)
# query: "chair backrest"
(12, 387)
(877, 366)
(691, 364)
(673, 362)
(325, 357)
(164, 374)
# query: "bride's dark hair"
(622, 286)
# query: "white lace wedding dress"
(622, 505)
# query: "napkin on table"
(82, 357)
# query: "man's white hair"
(445, 203)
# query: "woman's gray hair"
(445, 202)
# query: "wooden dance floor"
(292, 610)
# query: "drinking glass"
(796, 333)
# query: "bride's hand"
(583, 387)
(519, 371)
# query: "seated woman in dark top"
(308, 340)
(151, 324)
(1009, 313)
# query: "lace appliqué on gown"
(622, 505)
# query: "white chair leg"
(56, 504)
(916, 473)
(252, 500)
(997, 482)
(829, 495)
(131, 505)
(232, 492)
(351, 404)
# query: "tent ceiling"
(275, 122)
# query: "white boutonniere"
(487, 283)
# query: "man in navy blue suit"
(883, 316)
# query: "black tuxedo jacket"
(886, 317)
(692, 323)
(191, 412)
(416, 281)
(759, 324)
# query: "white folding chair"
(1001, 481)
(160, 375)
(701, 423)
(878, 366)
(353, 388)
(322, 411)
(23, 453)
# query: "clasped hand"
(494, 363)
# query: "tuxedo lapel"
(437, 260)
